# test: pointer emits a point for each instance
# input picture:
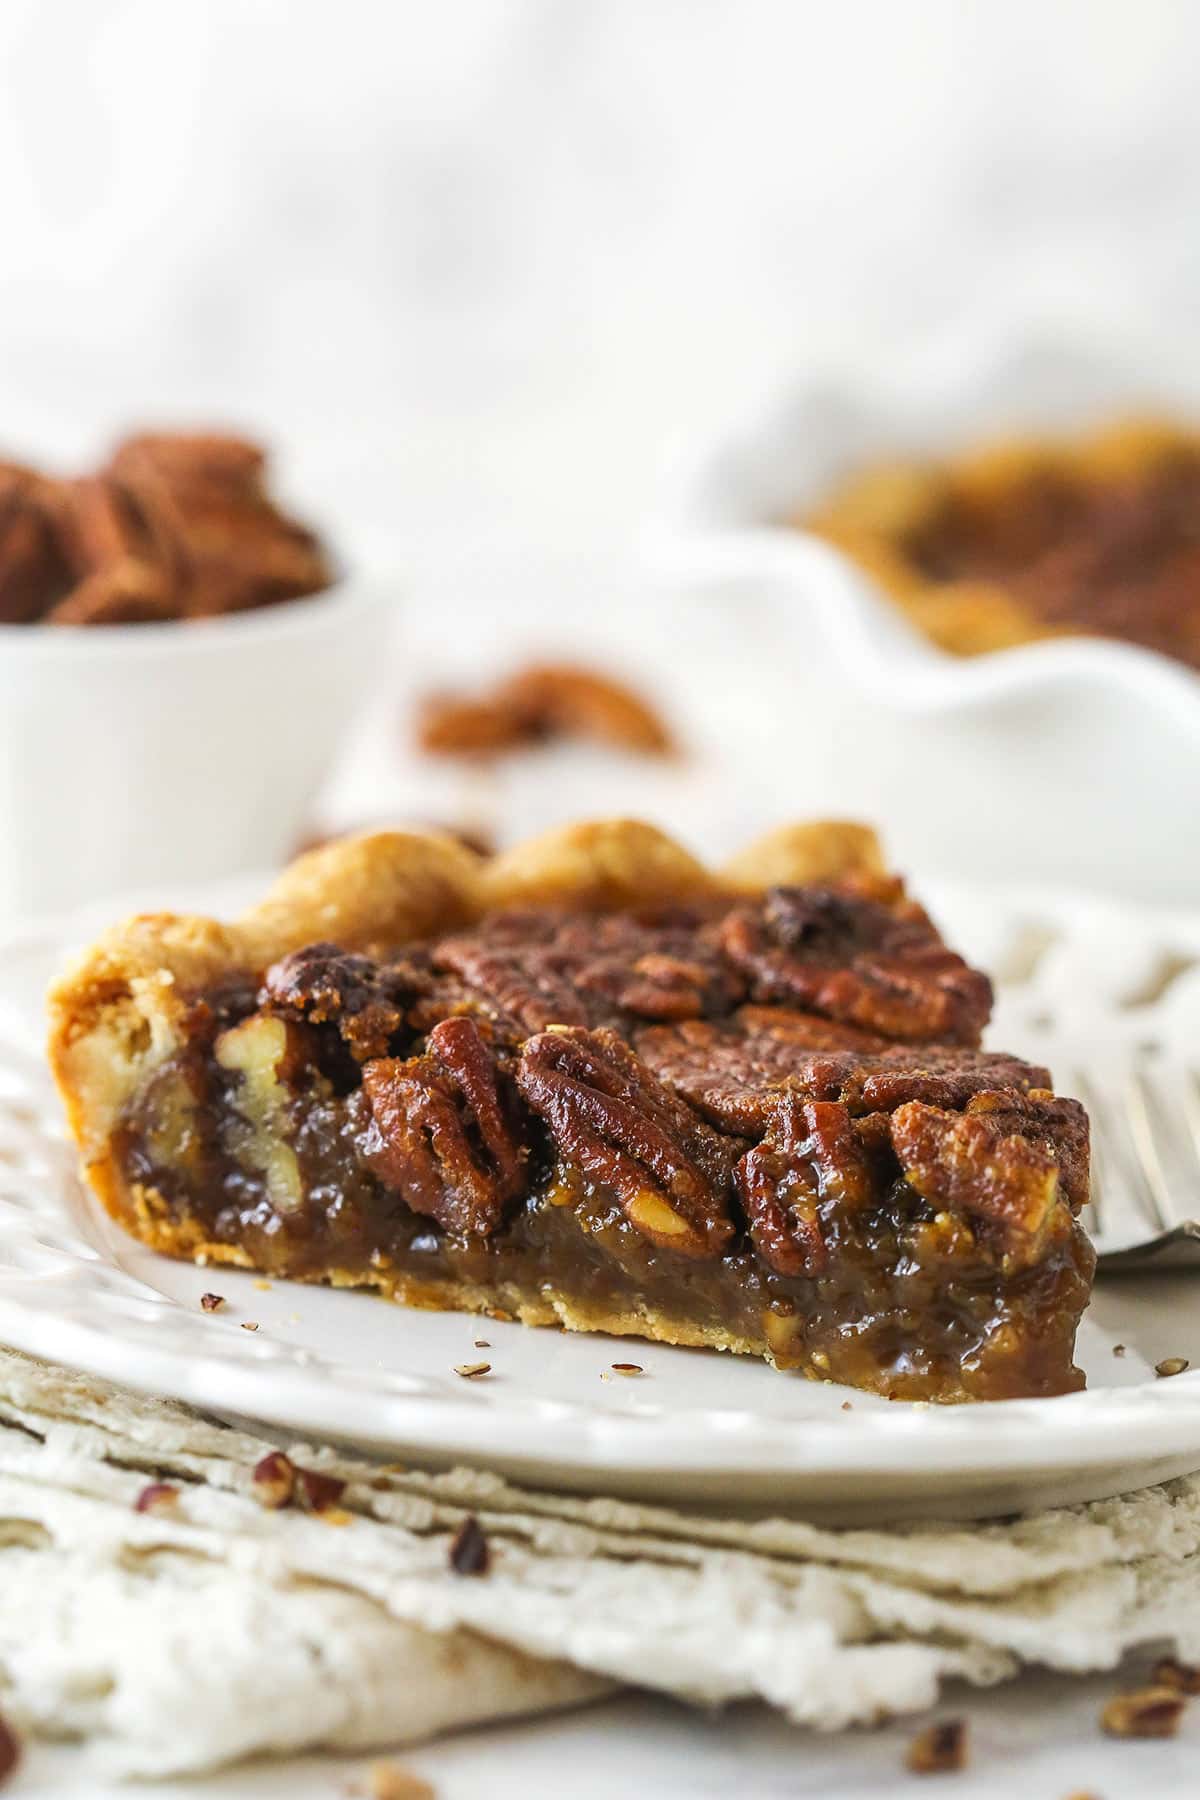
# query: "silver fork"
(1145, 1200)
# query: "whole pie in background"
(589, 1082)
(1096, 535)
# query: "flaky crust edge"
(115, 1012)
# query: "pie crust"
(769, 1113)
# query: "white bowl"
(1073, 761)
(137, 754)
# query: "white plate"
(695, 1425)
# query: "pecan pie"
(1099, 536)
(591, 1083)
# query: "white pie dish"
(1073, 761)
(132, 754)
(695, 1425)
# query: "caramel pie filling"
(763, 1125)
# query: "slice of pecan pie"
(593, 1084)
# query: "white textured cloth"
(182, 1638)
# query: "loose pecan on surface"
(873, 962)
(609, 1117)
(445, 1133)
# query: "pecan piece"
(655, 966)
(609, 1117)
(539, 968)
(509, 966)
(33, 570)
(203, 501)
(733, 1069)
(129, 592)
(940, 1749)
(443, 1130)
(1008, 1159)
(1152, 1712)
(156, 1496)
(1169, 1672)
(10, 1751)
(470, 1552)
(554, 700)
(875, 965)
(327, 986)
(811, 1154)
(274, 1480)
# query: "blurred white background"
(477, 265)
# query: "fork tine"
(1141, 1114)
(1127, 1210)
(1191, 1109)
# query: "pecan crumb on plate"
(470, 1553)
(274, 1480)
(1183, 1677)
(390, 1781)
(1151, 1712)
(212, 1302)
(939, 1749)
(316, 1492)
(157, 1496)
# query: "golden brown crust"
(874, 513)
(114, 1015)
(602, 865)
(796, 855)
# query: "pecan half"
(876, 965)
(541, 968)
(444, 1134)
(609, 1117)
(204, 497)
(1008, 1159)
(122, 593)
(811, 1154)
(33, 571)
(552, 700)
(366, 1000)
(733, 1069)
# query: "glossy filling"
(720, 1125)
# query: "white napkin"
(178, 1639)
